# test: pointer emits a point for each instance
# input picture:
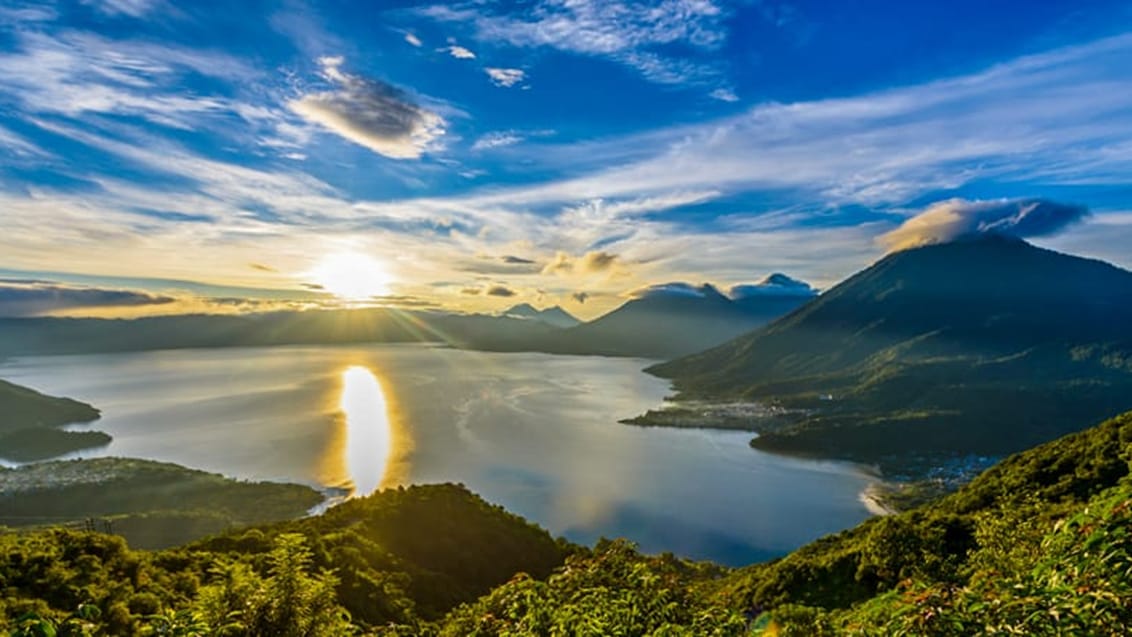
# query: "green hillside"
(28, 420)
(1037, 545)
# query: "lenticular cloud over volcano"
(949, 220)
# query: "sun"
(351, 276)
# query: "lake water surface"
(535, 433)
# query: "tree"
(290, 602)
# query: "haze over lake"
(535, 433)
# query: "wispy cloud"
(504, 138)
(724, 95)
(1052, 116)
(634, 33)
(497, 139)
(12, 143)
(72, 73)
(371, 113)
(132, 8)
(413, 39)
(28, 14)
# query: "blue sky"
(544, 148)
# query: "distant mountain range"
(660, 322)
(554, 316)
(50, 335)
(983, 345)
(671, 319)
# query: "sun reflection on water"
(369, 434)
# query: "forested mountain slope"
(986, 345)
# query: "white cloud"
(413, 39)
(956, 218)
(371, 113)
(505, 77)
(460, 52)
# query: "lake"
(535, 433)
